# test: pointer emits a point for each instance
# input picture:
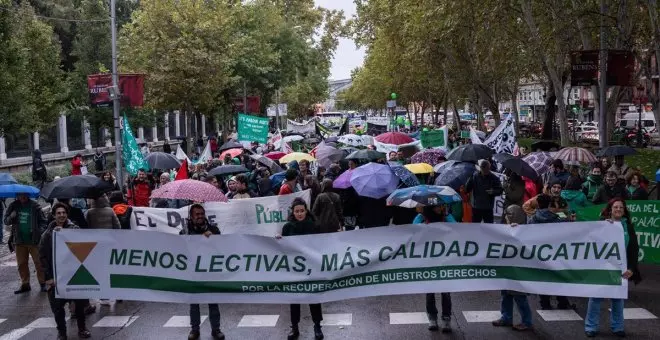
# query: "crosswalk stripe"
(408, 318)
(559, 315)
(636, 314)
(337, 319)
(44, 323)
(258, 321)
(115, 321)
(482, 315)
(182, 321)
(16, 334)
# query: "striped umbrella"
(539, 161)
(576, 155)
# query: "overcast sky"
(347, 57)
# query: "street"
(28, 316)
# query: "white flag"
(474, 137)
(503, 139)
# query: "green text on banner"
(645, 217)
(432, 138)
(568, 259)
(251, 128)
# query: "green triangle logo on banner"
(83, 277)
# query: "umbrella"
(349, 149)
(430, 156)
(231, 152)
(190, 189)
(11, 190)
(230, 145)
(456, 174)
(539, 161)
(440, 168)
(419, 168)
(481, 134)
(275, 155)
(423, 195)
(228, 170)
(277, 179)
(293, 138)
(576, 155)
(267, 162)
(343, 181)
(6, 178)
(83, 186)
(616, 150)
(162, 160)
(396, 138)
(470, 153)
(368, 155)
(516, 165)
(311, 140)
(374, 180)
(327, 155)
(297, 156)
(545, 145)
(332, 139)
(351, 140)
(407, 177)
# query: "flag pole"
(115, 99)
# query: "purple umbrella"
(343, 181)
(429, 156)
(374, 180)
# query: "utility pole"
(602, 117)
(115, 99)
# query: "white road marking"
(636, 314)
(16, 334)
(408, 318)
(337, 319)
(559, 315)
(44, 323)
(115, 321)
(482, 316)
(182, 321)
(258, 321)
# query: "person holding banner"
(616, 211)
(433, 214)
(61, 213)
(198, 224)
(484, 186)
(301, 222)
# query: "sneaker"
(620, 334)
(23, 289)
(84, 334)
(521, 327)
(501, 323)
(318, 334)
(294, 333)
(446, 325)
(216, 334)
(590, 334)
(193, 335)
(433, 322)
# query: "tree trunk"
(457, 118)
(514, 108)
(549, 114)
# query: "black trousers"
(314, 309)
(562, 302)
(57, 306)
(445, 302)
(485, 215)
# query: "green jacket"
(591, 185)
(576, 199)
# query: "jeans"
(592, 319)
(562, 302)
(506, 308)
(214, 316)
(432, 310)
(485, 215)
(314, 309)
(57, 306)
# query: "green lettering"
(284, 264)
(509, 251)
(454, 249)
(135, 257)
(260, 210)
(197, 269)
(299, 262)
(228, 262)
(614, 252)
(380, 253)
(329, 264)
(400, 252)
(182, 262)
(541, 257)
(471, 245)
(216, 263)
(118, 258)
(493, 251)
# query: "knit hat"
(573, 183)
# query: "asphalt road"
(28, 316)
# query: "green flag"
(130, 152)
(432, 138)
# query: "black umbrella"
(369, 155)
(470, 153)
(616, 150)
(455, 174)
(516, 165)
(545, 145)
(332, 139)
(230, 145)
(349, 150)
(83, 186)
(161, 160)
(274, 168)
(228, 170)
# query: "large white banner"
(302, 128)
(503, 139)
(257, 216)
(583, 259)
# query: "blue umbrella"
(6, 178)
(455, 174)
(11, 190)
(374, 180)
(406, 176)
(423, 195)
(277, 179)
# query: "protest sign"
(432, 138)
(568, 259)
(645, 216)
(251, 128)
(257, 216)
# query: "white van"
(629, 121)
